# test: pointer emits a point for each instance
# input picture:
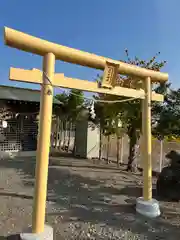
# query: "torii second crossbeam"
(35, 76)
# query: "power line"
(99, 100)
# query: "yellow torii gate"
(50, 52)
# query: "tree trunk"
(133, 151)
(57, 132)
(64, 134)
(100, 143)
(122, 150)
(74, 142)
(108, 146)
(161, 156)
(60, 135)
(117, 149)
(69, 134)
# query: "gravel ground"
(85, 201)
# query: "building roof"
(21, 94)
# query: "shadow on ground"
(86, 199)
(12, 237)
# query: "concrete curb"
(148, 208)
(46, 235)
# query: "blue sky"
(103, 27)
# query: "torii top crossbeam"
(38, 46)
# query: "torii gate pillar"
(146, 205)
(42, 160)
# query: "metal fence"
(160, 149)
(62, 135)
(63, 138)
(20, 134)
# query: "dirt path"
(85, 201)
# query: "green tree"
(168, 116)
(62, 110)
(108, 117)
(130, 111)
(69, 111)
(132, 114)
(75, 103)
(72, 103)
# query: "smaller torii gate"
(50, 52)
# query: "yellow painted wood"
(35, 76)
(146, 152)
(42, 159)
(110, 75)
(28, 43)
